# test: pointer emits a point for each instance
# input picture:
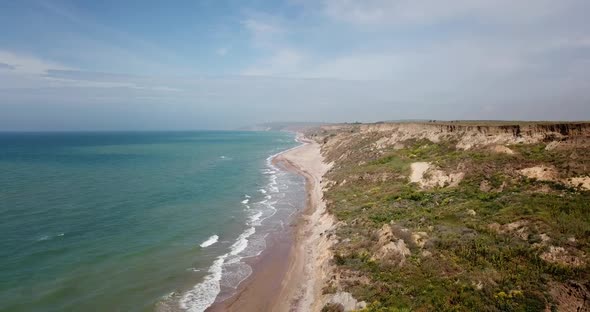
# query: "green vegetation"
(471, 261)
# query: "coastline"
(289, 274)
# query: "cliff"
(463, 216)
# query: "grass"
(469, 267)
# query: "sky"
(223, 64)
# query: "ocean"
(137, 221)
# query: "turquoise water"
(114, 221)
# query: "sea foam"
(242, 242)
(228, 270)
(210, 241)
(49, 237)
(204, 294)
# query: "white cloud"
(573, 42)
(370, 66)
(492, 59)
(25, 64)
(102, 44)
(267, 32)
(396, 12)
(284, 62)
(222, 51)
(129, 84)
(29, 72)
(261, 27)
(487, 39)
(455, 60)
(6, 66)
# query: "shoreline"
(289, 273)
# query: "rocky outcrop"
(564, 257)
(549, 174)
(570, 296)
(346, 301)
(391, 248)
(582, 182)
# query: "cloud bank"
(331, 60)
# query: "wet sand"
(259, 291)
(289, 274)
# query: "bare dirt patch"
(562, 256)
(583, 182)
(570, 296)
(541, 173)
(518, 229)
(427, 176)
(501, 149)
(418, 170)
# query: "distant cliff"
(465, 135)
(282, 126)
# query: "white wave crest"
(203, 294)
(254, 219)
(210, 241)
(49, 237)
(242, 242)
(228, 269)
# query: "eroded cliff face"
(492, 128)
(465, 136)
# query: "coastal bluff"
(457, 215)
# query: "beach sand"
(290, 273)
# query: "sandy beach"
(289, 274)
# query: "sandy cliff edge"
(309, 267)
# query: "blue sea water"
(136, 221)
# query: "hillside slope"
(459, 216)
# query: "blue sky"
(116, 65)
